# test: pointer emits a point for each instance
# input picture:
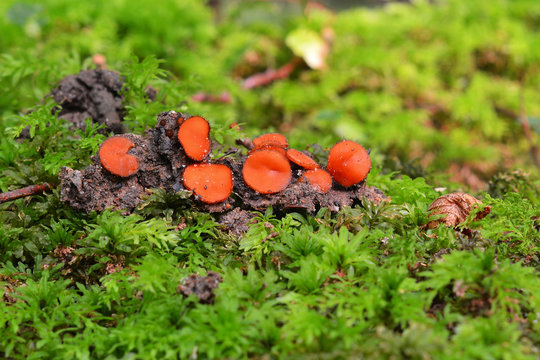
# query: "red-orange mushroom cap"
(267, 171)
(213, 183)
(193, 135)
(279, 149)
(348, 163)
(271, 139)
(113, 155)
(301, 159)
(319, 179)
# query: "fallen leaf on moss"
(456, 207)
(308, 45)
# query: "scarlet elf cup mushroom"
(113, 155)
(271, 139)
(348, 163)
(213, 183)
(319, 179)
(193, 135)
(301, 159)
(267, 171)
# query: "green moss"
(429, 88)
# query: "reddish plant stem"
(270, 75)
(25, 191)
(247, 143)
(224, 97)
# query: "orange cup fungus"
(113, 155)
(301, 159)
(348, 163)
(279, 149)
(193, 135)
(319, 179)
(271, 139)
(267, 171)
(213, 183)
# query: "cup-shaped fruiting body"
(319, 179)
(279, 149)
(212, 183)
(348, 163)
(271, 139)
(113, 155)
(301, 159)
(267, 171)
(193, 135)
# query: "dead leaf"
(456, 207)
(308, 45)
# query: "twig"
(25, 191)
(224, 97)
(525, 123)
(270, 75)
(247, 143)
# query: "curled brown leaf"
(456, 207)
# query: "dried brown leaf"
(456, 207)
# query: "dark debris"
(91, 94)
(201, 286)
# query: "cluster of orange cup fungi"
(267, 168)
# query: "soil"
(160, 160)
(236, 221)
(201, 286)
(161, 164)
(91, 94)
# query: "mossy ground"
(439, 92)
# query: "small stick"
(224, 97)
(25, 191)
(270, 75)
(247, 143)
